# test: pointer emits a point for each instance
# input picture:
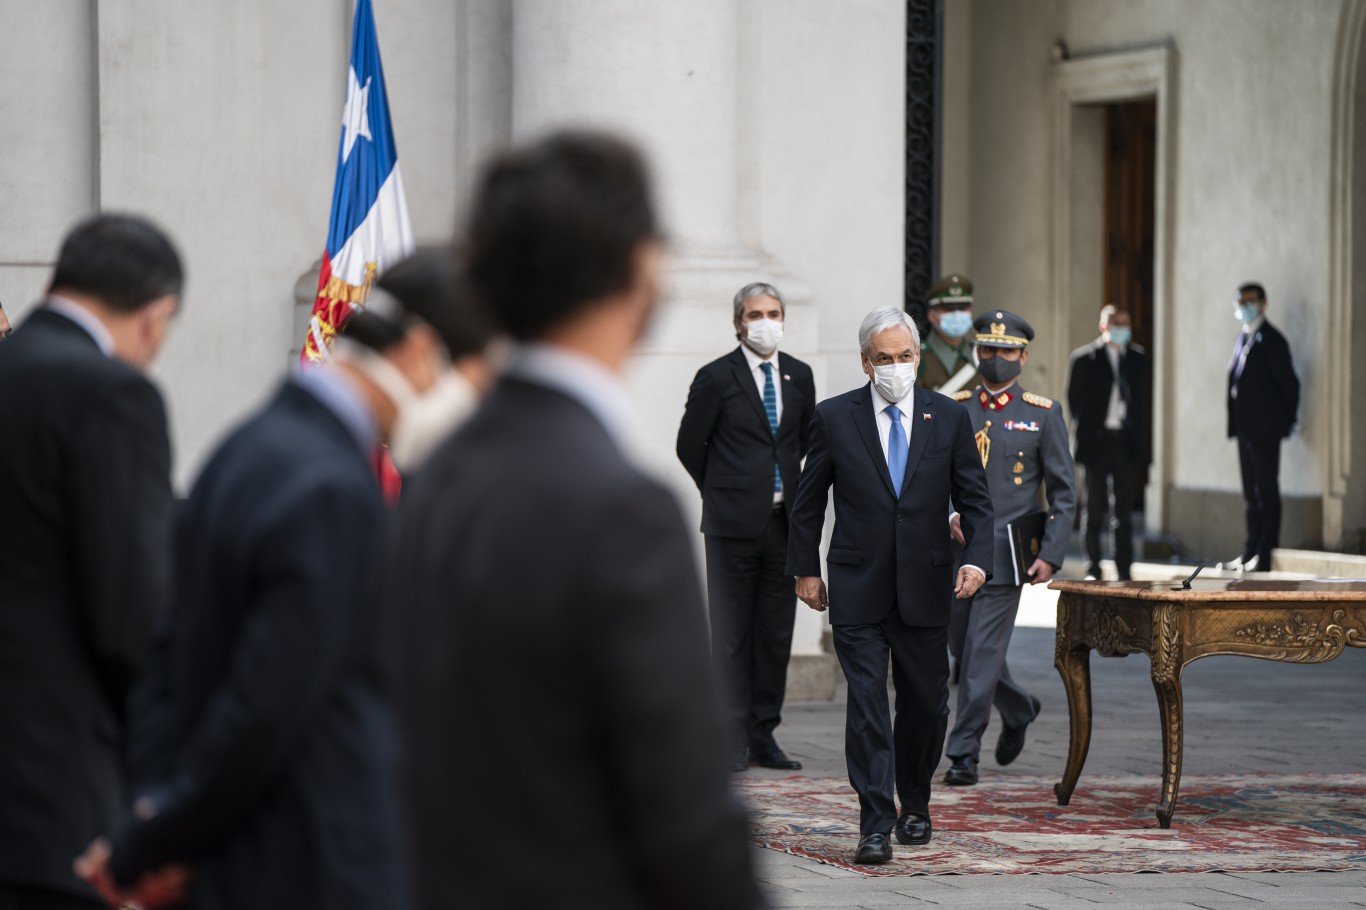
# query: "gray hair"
(882, 319)
(757, 289)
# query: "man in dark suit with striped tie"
(743, 438)
(1263, 399)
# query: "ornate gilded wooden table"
(1304, 622)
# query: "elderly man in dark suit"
(554, 686)
(897, 457)
(84, 565)
(1107, 393)
(743, 438)
(1263, 401)
(263, 746)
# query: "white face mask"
(763, 335)
(894, 381)
(423, 420)
(428, 419)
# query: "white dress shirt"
(756, 370)
(1117, 410)
(884, 430)
(86, 320)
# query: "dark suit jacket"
(888, 552)
(726, 445)
(1089, 381)
(85, 500)
(262, 735)
(1268, 390)
(566, 748)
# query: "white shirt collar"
(582, 378)
(86, 320)
(754, 359)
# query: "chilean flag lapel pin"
(927, 415)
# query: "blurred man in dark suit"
(1263, 400)
(565, 746)
(743, 438)
(1107, 393)
(896, 457)
(263, 749)
(84, 546)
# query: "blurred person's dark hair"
(1254, 288)
(125, 261)
(554, 227)
(425, 287)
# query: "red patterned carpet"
(1232, 823)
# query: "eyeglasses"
(951, 307)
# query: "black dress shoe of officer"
(962, 773)
(739, 760)
(873, 850)
(913, 829)
(774, 757)
(1011, 742)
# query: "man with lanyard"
(950, 364)
(1022, 440)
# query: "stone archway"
(1344, 506)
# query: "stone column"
(668, 76)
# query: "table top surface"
(1222, 590)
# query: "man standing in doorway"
(743, 438)
(1022, 442)
(950, 364)
(1107, 389)
(1263, 399)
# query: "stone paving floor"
(1241, 715)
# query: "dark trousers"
(1260, 462)
(1115, 467)
(32, 897)
(753, 607)
(980, 628)
(881, 755)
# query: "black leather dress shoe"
(962, 773)
(913, 829)
(873, 850)
(1011, 742)
(739, 759)
(775, 758)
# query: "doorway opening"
(1129, 227)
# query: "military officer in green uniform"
(1022, 439)
(948, 363)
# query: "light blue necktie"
(771, 409)
(896, 448)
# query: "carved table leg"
(1167, 664)
(1169, 707)
(1074, 664)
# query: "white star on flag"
(356, 114)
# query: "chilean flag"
(369, 229)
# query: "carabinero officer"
(1022, 440)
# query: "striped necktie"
(771, 409)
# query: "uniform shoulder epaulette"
(964, 395)
(1038, 401)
